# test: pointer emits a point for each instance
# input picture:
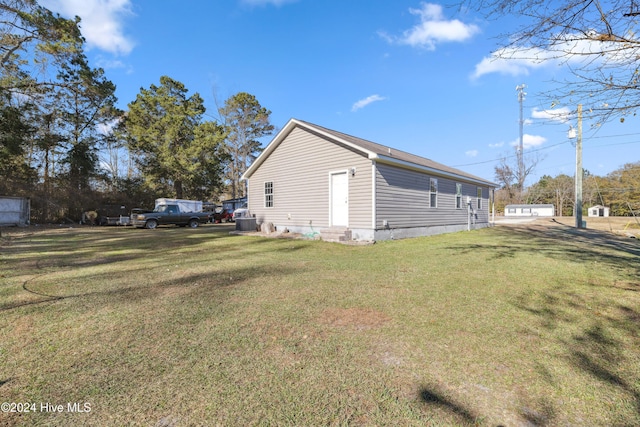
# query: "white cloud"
(471, 153)
(366, 101)
(530, 141)
(432, 29)
(496, 145)
(107, 128)
(583, 49)
(562, 115)
(101, 21)
(512, 62)
(113, 64)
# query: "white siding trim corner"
(374, 217)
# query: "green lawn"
(177, 327)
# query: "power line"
(510, 156)
(616, 143)
(614, 136)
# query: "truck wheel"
(151, 224)
(194, 223)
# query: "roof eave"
(280, 136)
(284, 132)
(292, 123)
(420, 168)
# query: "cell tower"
(521, 95)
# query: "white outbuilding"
(529, 210)
(598, 210)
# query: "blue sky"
(416, 76)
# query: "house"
(313, 180)
(598, 210)
(529, 210)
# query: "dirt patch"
(355, 318)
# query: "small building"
(15, 211)
(317, 181)
(529, 210)
(598, 210)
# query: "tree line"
(619, 191)
(66, 145)
(598, 46)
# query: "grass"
(519, 325)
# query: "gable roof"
(374, 151)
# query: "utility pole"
(521, 95)
(578, 178)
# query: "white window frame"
(268, 194)
(458, 196)
(433, 195)
(479, 195)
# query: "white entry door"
(339, 199)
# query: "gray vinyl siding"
(482, 215)
(300, 170)
(402, 199)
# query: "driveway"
(516, 220)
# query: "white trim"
(331, 174)
(247, 196)
(284, 132)
(433, 180)
(456, 195)
(333, 137)
(292, 123)
(374, 187)
(264, 195)
(420, 168)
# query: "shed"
(15, 211)
(320, 182)
(529, 210)
(598, 210)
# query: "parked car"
(242, 212)
(169, 214)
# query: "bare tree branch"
(597, 41)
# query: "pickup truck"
(168, 214)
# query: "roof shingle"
(389, 152)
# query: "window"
(458, 196)
(433, 193)
(526, 210)
(479, 197)
(268, 194)
(511, 210)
